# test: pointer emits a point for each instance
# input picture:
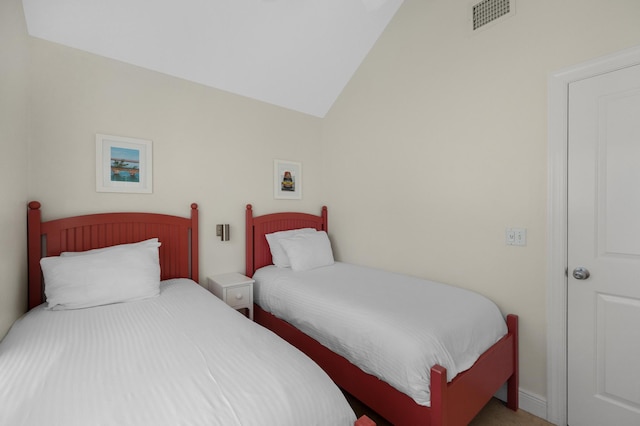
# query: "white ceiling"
(298, 54)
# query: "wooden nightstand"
(235, 289)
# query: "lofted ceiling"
(297, 54)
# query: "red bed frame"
(178, 235)
(454, 403)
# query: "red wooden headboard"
(257, 248)
(178, 235)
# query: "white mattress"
(392, 326)
(182, 358)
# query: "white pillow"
(278, 255)
(111, 276)
(308, 251)
(152, 242)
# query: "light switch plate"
(516, 236)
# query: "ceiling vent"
(490, 11)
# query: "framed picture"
(287, 180)
(123, 164)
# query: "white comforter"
(182, 358)
(392, 326)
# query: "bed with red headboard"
(179, 237)
(453, 403)
(179, 356)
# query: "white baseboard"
(529, 402)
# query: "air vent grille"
(489, 10)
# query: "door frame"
(557, 216)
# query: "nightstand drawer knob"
(238, 296)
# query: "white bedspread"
(182, 358)
(392, 326)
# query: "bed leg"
(513, 382)
(439, 399)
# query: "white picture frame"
(124, 164)
(287, 180)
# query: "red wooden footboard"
(454, 403)
(458, 402)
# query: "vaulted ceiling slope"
(297, 54)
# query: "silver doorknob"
(581, 273)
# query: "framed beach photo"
(287, 180)
(123, 164)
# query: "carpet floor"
(495, 413)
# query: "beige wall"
(13, 162)
(440, 141)
(209, 146)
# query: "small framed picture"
(123, 164)
(287, 180)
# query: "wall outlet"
(516, 236)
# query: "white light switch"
(516, 236)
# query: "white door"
(604, 238)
